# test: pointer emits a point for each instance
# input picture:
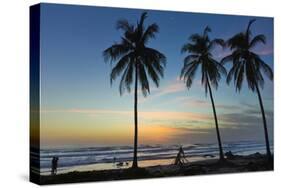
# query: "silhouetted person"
(180, 159)
(54, 165)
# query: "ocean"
(99, 158)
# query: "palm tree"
(246, 64)
(199, 49)
(135, 62)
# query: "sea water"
(112, 157)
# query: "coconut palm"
(247, 65)
(199, 49)
(135, 62)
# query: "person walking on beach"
(54, 165)
(180, 159)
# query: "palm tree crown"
(131, 54)
(246, 63)
(199, 49)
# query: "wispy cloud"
(198, 103)
(148, 115)
(85, 111)
(267, 50)
(248, 105)
(182, 127)
(172, 87)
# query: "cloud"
(233, 126)
(86, 111)
(198, 103)
(248, 105)
(254, 109)
(257, 112)
(147, 115)
(228, 107)
(238, 118)
(100, 112)
(187, 127)
(167, 115)
(249, 116)
(268, 50)
(174, 86)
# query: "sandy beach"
(250, 163)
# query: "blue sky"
(75, 84)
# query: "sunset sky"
(79, 107)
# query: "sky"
(80, 108)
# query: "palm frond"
(115, 52)
(125, 75)
(189, 58)
(257, 39)
(221, 69)
(237, 41)
(150, 32)
(154, 56)
(206, 31)
(124, 25)
(188, 73)
(267, 70)
(154, 73)
(143, 80)
(187, 67)
(263, 66)
(251, 75)
(119, 67)
(143, 17)
(214, 71)
(227, 59)
(233, 70)
(238, 77)
(191, 48)
(248, 31)
(204, 78)
(129, 77)
(154, 62)
(195, 38)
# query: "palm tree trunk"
(216, 121)
(135, 160)
(264, 124)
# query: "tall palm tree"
(135, 62)
(199, 49)
(247, 65)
